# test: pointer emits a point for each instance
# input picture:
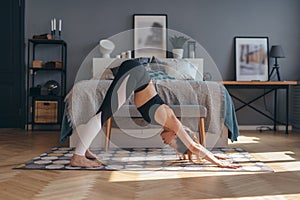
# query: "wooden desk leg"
(108, 133)
(202, 132)
(275, 111)
(287, 110)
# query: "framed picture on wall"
(150, 35)
(251, 58)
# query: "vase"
(177, 53)
(106, 47)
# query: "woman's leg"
(86, 133)
(131, 76)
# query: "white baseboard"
(256, 127)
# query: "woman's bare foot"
(90, 155)
(82, 161)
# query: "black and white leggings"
(131, 77)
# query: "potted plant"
(177, 43)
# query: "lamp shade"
(276, 52)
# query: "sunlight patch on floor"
(247, 140)
(285, 166)
(125, 176)
(282, 161)
(274, 156)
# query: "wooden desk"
(270, 86)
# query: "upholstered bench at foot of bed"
(181, 111)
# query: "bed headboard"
(100, 64)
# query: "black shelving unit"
(45, 109)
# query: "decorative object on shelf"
(123, 55)
(46, 112)
(53, 64)
(45, 36)
(106, 47)
(59, 28)
(53, 28)
(35, 91)
(52, 87)
(251, 58)
(37, 64)
(276, 52)
(191, 49)
(128, 54)
(177, 43)
(207, 76)
(150, 35)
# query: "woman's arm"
(198, 149)
(165, 116)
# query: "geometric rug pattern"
(144, 159)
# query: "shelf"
(46, 69)
(45, 41)
(39, 106)
(46, 123)
(47, 97)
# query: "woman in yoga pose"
(133, 77)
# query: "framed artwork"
(251, 58)
(150, 35)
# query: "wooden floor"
(279, 151)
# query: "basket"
(45, 112)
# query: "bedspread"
(83, 101)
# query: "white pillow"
(183, 69)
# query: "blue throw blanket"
(230, 117)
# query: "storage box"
(53, 64)
(35, 91)
(37, 64)
(45, 111)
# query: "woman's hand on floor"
(226, 164)
(221, 157)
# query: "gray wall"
(213, 23)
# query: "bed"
(177, 81)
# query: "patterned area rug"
(143, 159)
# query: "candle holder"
(52, 28)
(59, 28)
(191, 49)
(54, 35)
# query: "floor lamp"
(276, 52)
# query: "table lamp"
(276, 52)
(106, 47)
